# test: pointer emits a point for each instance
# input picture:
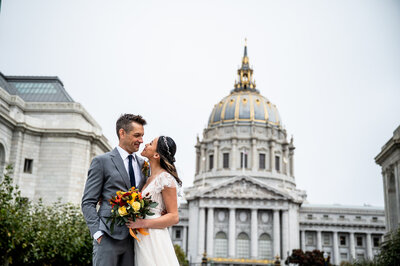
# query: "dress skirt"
(155, 249)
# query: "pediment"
(244, 188)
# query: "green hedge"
(38, 234)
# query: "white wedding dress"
(156, 249)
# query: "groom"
(117, 170)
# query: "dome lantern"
(245, 75)
(245, 104)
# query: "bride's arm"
(172, 217)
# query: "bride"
(156, 248)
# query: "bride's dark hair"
(166, 147)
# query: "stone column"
(285, 162)
(254, 234)
(277, 234)
(271, 156)
(193, 226)
(198, 160)
(216, 152)
(254, 154)
(319, 240)
(232, 232)
(285, 233)
(397, 182)
(291, 163)
(352, 247)
(210, 232)
(233, 163)
(386, 199)
(369, 247)
(335, 248)
(303, 240)
(184, 240)
(201, 231)
(202, 158)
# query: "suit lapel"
(119, 164)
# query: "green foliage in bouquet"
(36, 234)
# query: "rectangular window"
(358, 218)
(343, 256)
(359, 240)
(360, 256)
(262, 161)
(226, 160)
(341, 217)
(277, 163)
(326, 216)
(310, 239)
(243, 159)
(342, 240)
(178, 234)
(211, 162)
(309, 216)
(376, 241)
(327, 239)
(374, 219)
(28, 165)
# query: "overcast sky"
(331, 67)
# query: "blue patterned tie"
(131, 172)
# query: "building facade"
(244, 205)
(47, 137)
(389, 160)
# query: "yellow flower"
(134, 194)
(122, 211)
(120, 193)
(131, 201)
(136, 206)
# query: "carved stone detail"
(244, 189)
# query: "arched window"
(265, 247)
(243, 246)
(221, 245)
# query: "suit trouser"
(113, 252)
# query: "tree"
(309, 258)
(390, 250)
(181, 256)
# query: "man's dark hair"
(125, 122)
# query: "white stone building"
(244, 206)
(389, 160)
(48, 138)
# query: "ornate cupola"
(245, 137)
(245, 75)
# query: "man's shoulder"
(103, 156)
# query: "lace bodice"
(155, 188)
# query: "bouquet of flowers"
(127, 206)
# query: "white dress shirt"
(136, 169)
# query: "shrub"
(309, 258)
(181, 256)
(38, 234)
(390, 250)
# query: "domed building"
(244, 206)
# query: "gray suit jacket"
(107, 175)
